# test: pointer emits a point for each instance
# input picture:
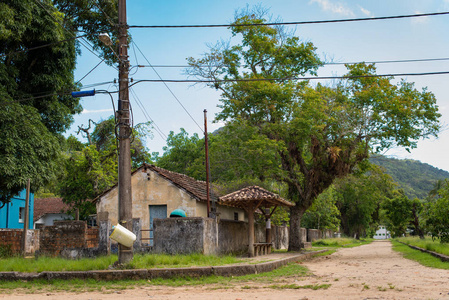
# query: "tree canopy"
(321, 132)
(91, 169)
(37, 62)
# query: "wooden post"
(26, 222)
(268, 226)
(251, 231)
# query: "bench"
(262, 248)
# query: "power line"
(97, 4)
(43, 46)
(173, 94)
(70, 32)
(91, 70)
(147, 115)
(292, 23)
(325, 64)
(290, 78)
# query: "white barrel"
(123, 236)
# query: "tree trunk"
(294, 238)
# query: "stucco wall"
(48, 219)
(149, 188)
(9, 214)
(185, 235)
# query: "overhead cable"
(70, 32)
(173, 94)
(292, 23)
(325, 64)
(147, 115)
(43, 46)
(289, 78)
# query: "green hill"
(414, 177)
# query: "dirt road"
(371, 271)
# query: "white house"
(382, 233)
(48, 210)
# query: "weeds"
(425, 259)
(296, 287)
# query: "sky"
(166, 104)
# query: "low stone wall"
(200, 235)
(68, 239)
(92, 237)
(149, 274)
(185, 235)
(313, 235)
(279, 236)
(13, 238)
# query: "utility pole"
(206, 144)
(125, 254)
(26, 216)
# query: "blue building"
(12, 214)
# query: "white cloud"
(366, 12)
(85, 111)
(334, 7)
(419, 20)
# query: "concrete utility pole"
(206, 144)
(26, 221)
(125, 254)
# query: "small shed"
(250, 199)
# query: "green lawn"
(140, 261)
(427, 244)
(425, 259)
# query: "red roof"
(43, 206)
(196, 188)
(242, 198)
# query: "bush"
(5, 251)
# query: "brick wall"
(92, 237)
(63, 235)
(13, 237)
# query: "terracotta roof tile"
(43, 206)
(241, 198)
(194, 187)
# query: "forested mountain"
(414, 177)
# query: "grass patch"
(297, 287)
(423, 258)
(41, 286)
(340, 242)
(140, 261)
(426, 243)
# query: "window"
(236, 216)
(21, 214)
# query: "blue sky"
(400, 39)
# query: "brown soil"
(371, 271)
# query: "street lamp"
(104, 37)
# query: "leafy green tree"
(399, 214)
(91, 169)
(322, 133)
(184, 154)
(37, 62)
(323, 214)
(417, 208)
(359, 198)
(438, 220)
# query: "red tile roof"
(196, 188)
(43, 206)
(243, 197)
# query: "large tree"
(37, 63)
(91, 169)
(322, 132)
